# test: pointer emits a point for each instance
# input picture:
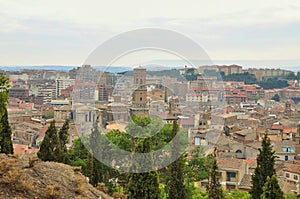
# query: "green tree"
(63, 140)
(195, 168)
(214, 189)
(50, 147)
(276, 97)
(176, 188)
(6, 145)
(100, 147)
(272, 189)
(143, 185)
(78, 155)
(4, 91)
(291, 76)
(90, 166)
(237, 194)
(241, 77)
(273, 82)
(264, 169)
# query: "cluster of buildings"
(232, 116)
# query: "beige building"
(260, 73)
(227, 69)
(291, 176)
(63, 113)
(139, 97)
(231, 173)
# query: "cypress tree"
(214, 189)
(143, 185)
(101, 172)
(6, 145)
(63, 140)
(264, 169)
(50, 147)
(176, 188)
(272, 189)
(90, 167)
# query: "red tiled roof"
(230, 163)
(289, 130)
(293, 169)
(235, 96)
(43, 131)
(23, 149)
(277, 127)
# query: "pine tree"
(50, 147)
(6, 145)
(176, 188)
(214, 189)
(63, 140)
(272, 189)
(264, 169)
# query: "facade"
(139, 76)
(20, 93)
(105, 92)
(139, 104)
(291, 179)
(62, 84)
(86, 73)
(62, 113)
(46, 93)
(267, 72)
(84, 92)
(226, 69)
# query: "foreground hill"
(24, 178)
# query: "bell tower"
(139, 105)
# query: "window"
(286, 158)
(141, 99)
(295, 177)
(230, 175)
(287, 175)
(220, 174)
(238, 151)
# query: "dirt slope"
(43, 180)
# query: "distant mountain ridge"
(155, 65)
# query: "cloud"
(226, 29)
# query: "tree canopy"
(272, 189)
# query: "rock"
(43, 180)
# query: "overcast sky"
(65, 32)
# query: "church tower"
(139, 105)
(203, 124)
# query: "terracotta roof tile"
(293, 169)
(246, 181)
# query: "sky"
(65, 32)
